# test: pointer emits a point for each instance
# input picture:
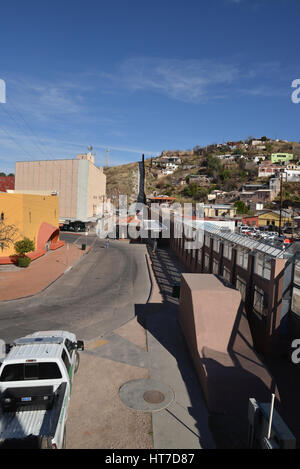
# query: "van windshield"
(30, 371)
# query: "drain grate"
(153, 397)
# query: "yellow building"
(34, 216)
(272, 217)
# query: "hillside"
(122, 180)
(200, 171)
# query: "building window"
(2, 216)
(241, 286)
(242, 258)
(199, 256)
(206, 262)
(226, 274)
(215, 267)
(207, 241)
(296, 301)
(29, 217)
(260, 301)
(297, 273)
(262, 266)
(227, 251)
(216, 245)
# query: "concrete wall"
(79, 183)
(82, 189)
(51, 175)
(219, 340)
(96, 189)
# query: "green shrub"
(23, 246)
(24, 261)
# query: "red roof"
(162, 198)
(7, 183)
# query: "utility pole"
(107, 157)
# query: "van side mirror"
(80, 345)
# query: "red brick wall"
(7, 183)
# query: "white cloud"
(184, 80)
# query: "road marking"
(97, 344)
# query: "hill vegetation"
(201, 171)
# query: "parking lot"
(274, 238)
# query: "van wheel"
(77, 361)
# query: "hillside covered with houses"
(240, 177)
(247, 171)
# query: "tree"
(225, 174)
(23, 246)
(191, 190)
(213, 164)
(269, 147)
(241, 207)
(8, 234)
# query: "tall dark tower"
(144, 178)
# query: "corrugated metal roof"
(236, 238)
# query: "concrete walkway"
(184, 423)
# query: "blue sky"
(143, 77)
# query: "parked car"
(244, 229)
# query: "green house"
(281, 157)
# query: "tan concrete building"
(218, 210)
(80, 185)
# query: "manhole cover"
(146, 395)
(154, 397)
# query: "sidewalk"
(16, 282)
(139, 385)
(184, 423)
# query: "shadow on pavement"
(229, 426)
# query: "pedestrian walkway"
(17, 282)
(184, 424)
(141, 378)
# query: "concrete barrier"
(219, 340)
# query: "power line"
(40, 144)
(15, 141)
(16, 122)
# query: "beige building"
(216, 210)
(80, 185)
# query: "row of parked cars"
(270, 236)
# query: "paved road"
(98, 295)
(77, 238)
